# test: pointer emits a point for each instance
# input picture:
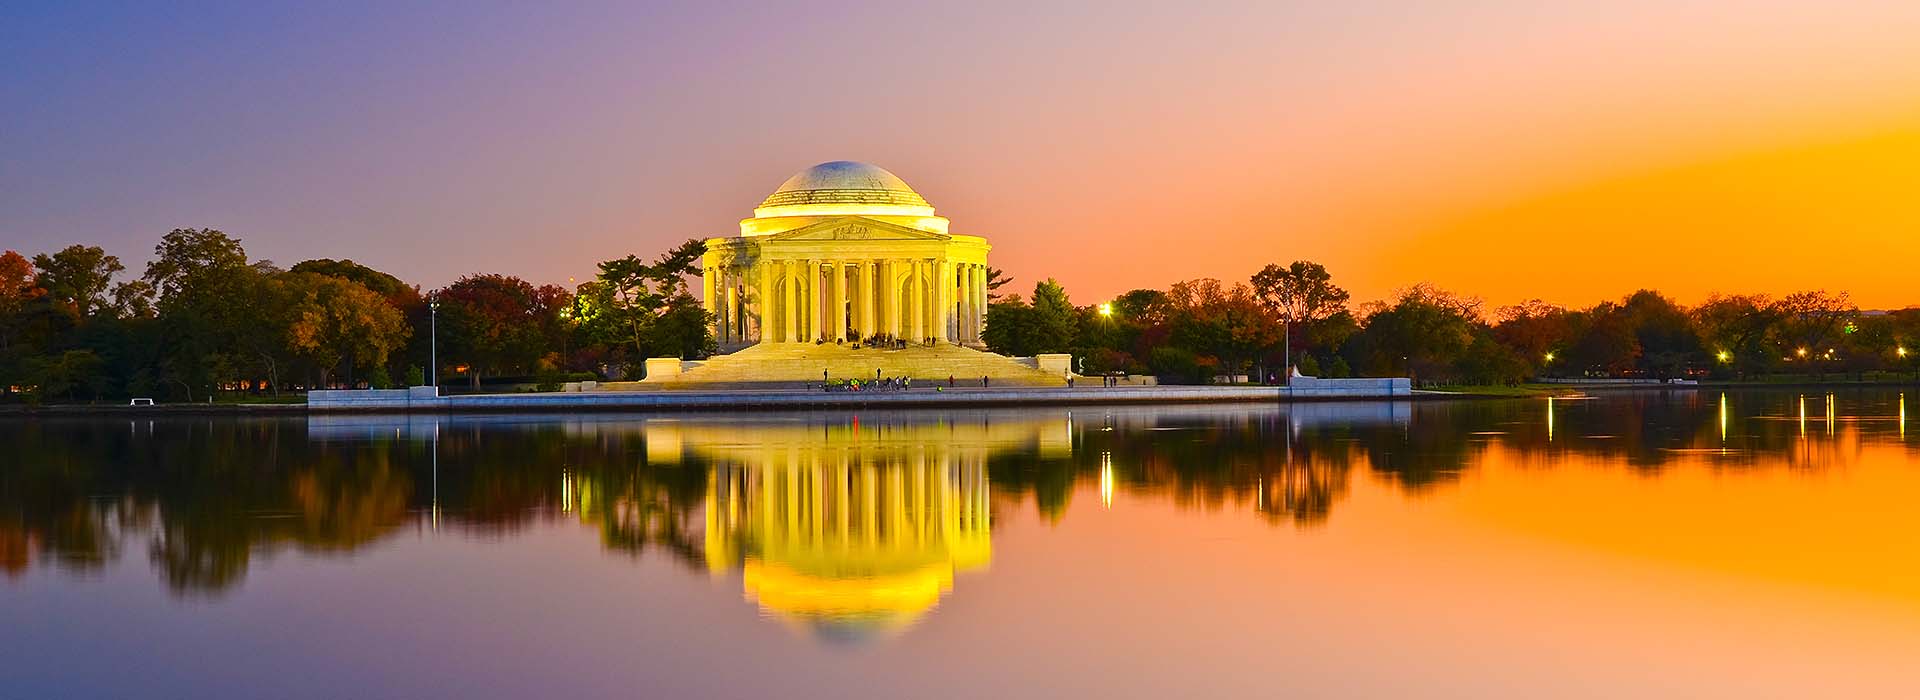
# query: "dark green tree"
(78, 278)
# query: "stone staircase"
(773, 365)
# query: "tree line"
(1198, 330)
(207, 320)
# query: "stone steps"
(784, 363)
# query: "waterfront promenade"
(425, 399)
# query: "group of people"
(881, 383)
(882, 341)
(884, 384)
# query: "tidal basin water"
(1685, 544)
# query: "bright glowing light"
(1106, 308)
(1549, 418)
(1723, 417)
(1106, 480)
(1724, 356)
(1549, 357)
(1830, 410)
(1901, 351)
(1801, 352)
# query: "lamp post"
(1286, 351)
(433, 343)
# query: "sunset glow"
(1691, 147)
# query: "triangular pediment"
(856, 228)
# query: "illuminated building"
(845, 250)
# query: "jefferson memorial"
(842, 252)
(845, 272)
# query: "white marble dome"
(844, 187)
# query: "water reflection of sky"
(1668, 544)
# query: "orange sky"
(1571, 151)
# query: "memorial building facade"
(841, 253)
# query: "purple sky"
(1112, 145)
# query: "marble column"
(838, 307)
(732, 298)
(863, 298)
(942, 299)
(790, 298)
(709, 281)
(889, 300)
(917, 292)
(966, 302)
(815, 300)
(764, 304)
(979, 300)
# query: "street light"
(1549, 357)
(433, 343)
(1723, 356)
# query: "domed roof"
(845, 182)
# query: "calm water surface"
(1689, 544)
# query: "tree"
(1607, 342)
(1811, 323)
(1665, 334)
(646, 309)
(996, 278)
(133, 299)
(333, 319)
(1300, 292)
(1146, 307)
(1488, 362)
(1010, 324)
(1425, 332)
(1015, 327)
(1534, 329)
(1055, 321)
(187, 257)
(491, 323)
(78, 278)
(1228, 324)
(69, 370)
(16, 289)
(1737, 328)
(208, 304)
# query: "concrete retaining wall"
(411, 398)
(1315, 387)
(424, 398)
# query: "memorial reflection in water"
(848, 531)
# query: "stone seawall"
(424, 398)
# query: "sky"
(1570, 151)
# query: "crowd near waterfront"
(206, 320)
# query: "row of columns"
(915, 299)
